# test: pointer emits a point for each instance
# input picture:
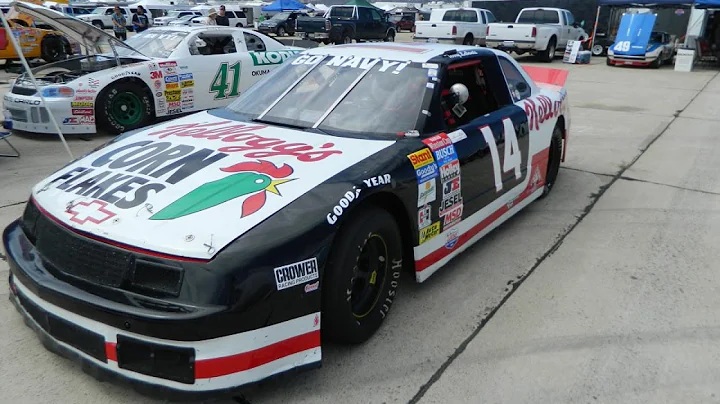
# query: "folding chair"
(4, 136)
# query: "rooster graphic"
(251, 178)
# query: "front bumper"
(28, 114)
(266, 30)
(631, 60)
(152, 364)
(450, 41)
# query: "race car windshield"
(155, 44)
(364, 96)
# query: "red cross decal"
(95, 212)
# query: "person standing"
(222, 19)
(119, 24)
(140, 20)
(210, 19)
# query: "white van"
(235, 14)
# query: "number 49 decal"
(622, 46)
(220, 84)
(512, 160)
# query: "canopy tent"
(361, 3)
(662, 3)
(284, 5)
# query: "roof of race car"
(412, 52)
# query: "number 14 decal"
(512, 160)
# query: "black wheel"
(98, 24)
(52, 49)
(554, 157)
(549, 53)
(390, 36)
(123, 107)
(281, 31)
(362, 276)
(468, 40)
(655, 64)
(607, 62)
(598, 50)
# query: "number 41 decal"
(220, 85)
(512, 160)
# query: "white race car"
(160, 72)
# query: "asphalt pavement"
(604, 292)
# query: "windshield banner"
(634, 34)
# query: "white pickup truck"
(538, 31)
(466, 26)
(101, 17)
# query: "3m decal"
(426, 192)
(242, 138)
(377, 181)
(452, 216)
(255, 179)
(95, 211)
(426, 173)
(271, 58)
(424, 217)
(220, 84)
(343, 204)
(156, 74)
(421, 158)
(512, 159)
(311, 287)
(429, 232)
(295, 274)
(448, 204)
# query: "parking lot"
(606, 291)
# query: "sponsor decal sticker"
(271, 58)
(377, 181)
(295, 274)
(83, 98)
(159, 94)
(450, 171)
(73, 120)
(81, 104)
(169, 70)
(171, 79)
(173, 95)
(82, 111)
(451, 239)
(420, 158)
(427, 173)
(94, 83)
(343, 204)
(446, 205)
(95, 211)
(426, 192)
(424, 217)
(156, 74)
(311, 287)
(364, 63)
(451, 187)
(438, 142)
(259, 72)
(171, 111)
(429, 232)
(158, 84)
(445, 155)
(185, 76)
(457, 135)
(124, 74)
(171, 86)
(452, 216)
(85, 91)
(167, 64)
(187, 83)
(174, 104)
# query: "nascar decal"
(298, 273)
(271, 58)
(165, 184)
(429, 232)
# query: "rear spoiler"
(545, 75)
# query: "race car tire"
(554, 157)
(123, 107)
(281, 31)
(548, 54)
(52, 49)
(390, 36)
(366, 253)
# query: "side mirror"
(522, 87)
(576, 25)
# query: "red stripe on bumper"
(539, 160)
(111, 351)
(215, 367)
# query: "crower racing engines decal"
(298, 273)
(191, 186)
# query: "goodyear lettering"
(271, 58)
(376, 181)
(343, 204)
(294, 274)
(420, 158)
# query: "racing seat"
(4, 135)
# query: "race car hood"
(189, 187)
(72, 27)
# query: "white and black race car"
(157, 73)
(211, 251)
